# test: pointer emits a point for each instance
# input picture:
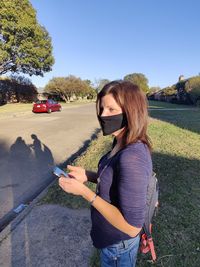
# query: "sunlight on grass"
(15, 107)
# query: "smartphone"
(58, 172)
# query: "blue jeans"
(122, 254)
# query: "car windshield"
(41, 102)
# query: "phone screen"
(58, 172)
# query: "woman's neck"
(117, 147)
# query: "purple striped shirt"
(123, 183)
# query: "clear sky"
(109, 39)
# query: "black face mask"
(110, 124)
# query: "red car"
(48, 105)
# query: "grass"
(158, 104)
(15, 107)
(176, 159)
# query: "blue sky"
(97, 39)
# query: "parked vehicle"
(48, 105)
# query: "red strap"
(152, 249)
(144, 248)
(147, 245)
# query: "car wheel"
(49, 110)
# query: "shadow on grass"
(185, 119)
(176, 227)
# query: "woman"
(118, 206)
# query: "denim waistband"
(125, 243)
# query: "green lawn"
(176, 159)
(15, 107)
(158, 104)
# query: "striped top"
(123, 183)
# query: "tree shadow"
(185, 119)
(176, 227)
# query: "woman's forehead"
(108, 100)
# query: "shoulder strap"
(152, 200)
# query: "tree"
(154, 89)
(192, 87)
(100, 84)
(25, 45)
(69, 86)
(56, 86)
(138, 79)
(17, 89)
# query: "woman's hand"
(72, 186)
(78, 173)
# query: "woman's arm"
(110, 212)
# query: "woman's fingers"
(71, 186)
(72, 174)
(72, 168)
(64, 180)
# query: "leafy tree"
(100, 84)
(25, 45)
(154, 89)
(69, 86)
(89, 90)
(20, 79)
(56, 86)
(192, 87)
(17, 89)
(138, 79)
(169, 91)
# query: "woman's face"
(109, 107)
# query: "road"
(31, 144)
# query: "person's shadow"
(43, 157)
(26, 169)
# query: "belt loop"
(125, 243)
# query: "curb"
(13, 220)
(13, 224)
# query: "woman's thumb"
(71, 168)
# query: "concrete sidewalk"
(49, 236)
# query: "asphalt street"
(31, 144)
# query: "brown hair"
(133, 103)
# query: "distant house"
(174, 94)
(41, 96)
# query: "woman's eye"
(111, 109)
